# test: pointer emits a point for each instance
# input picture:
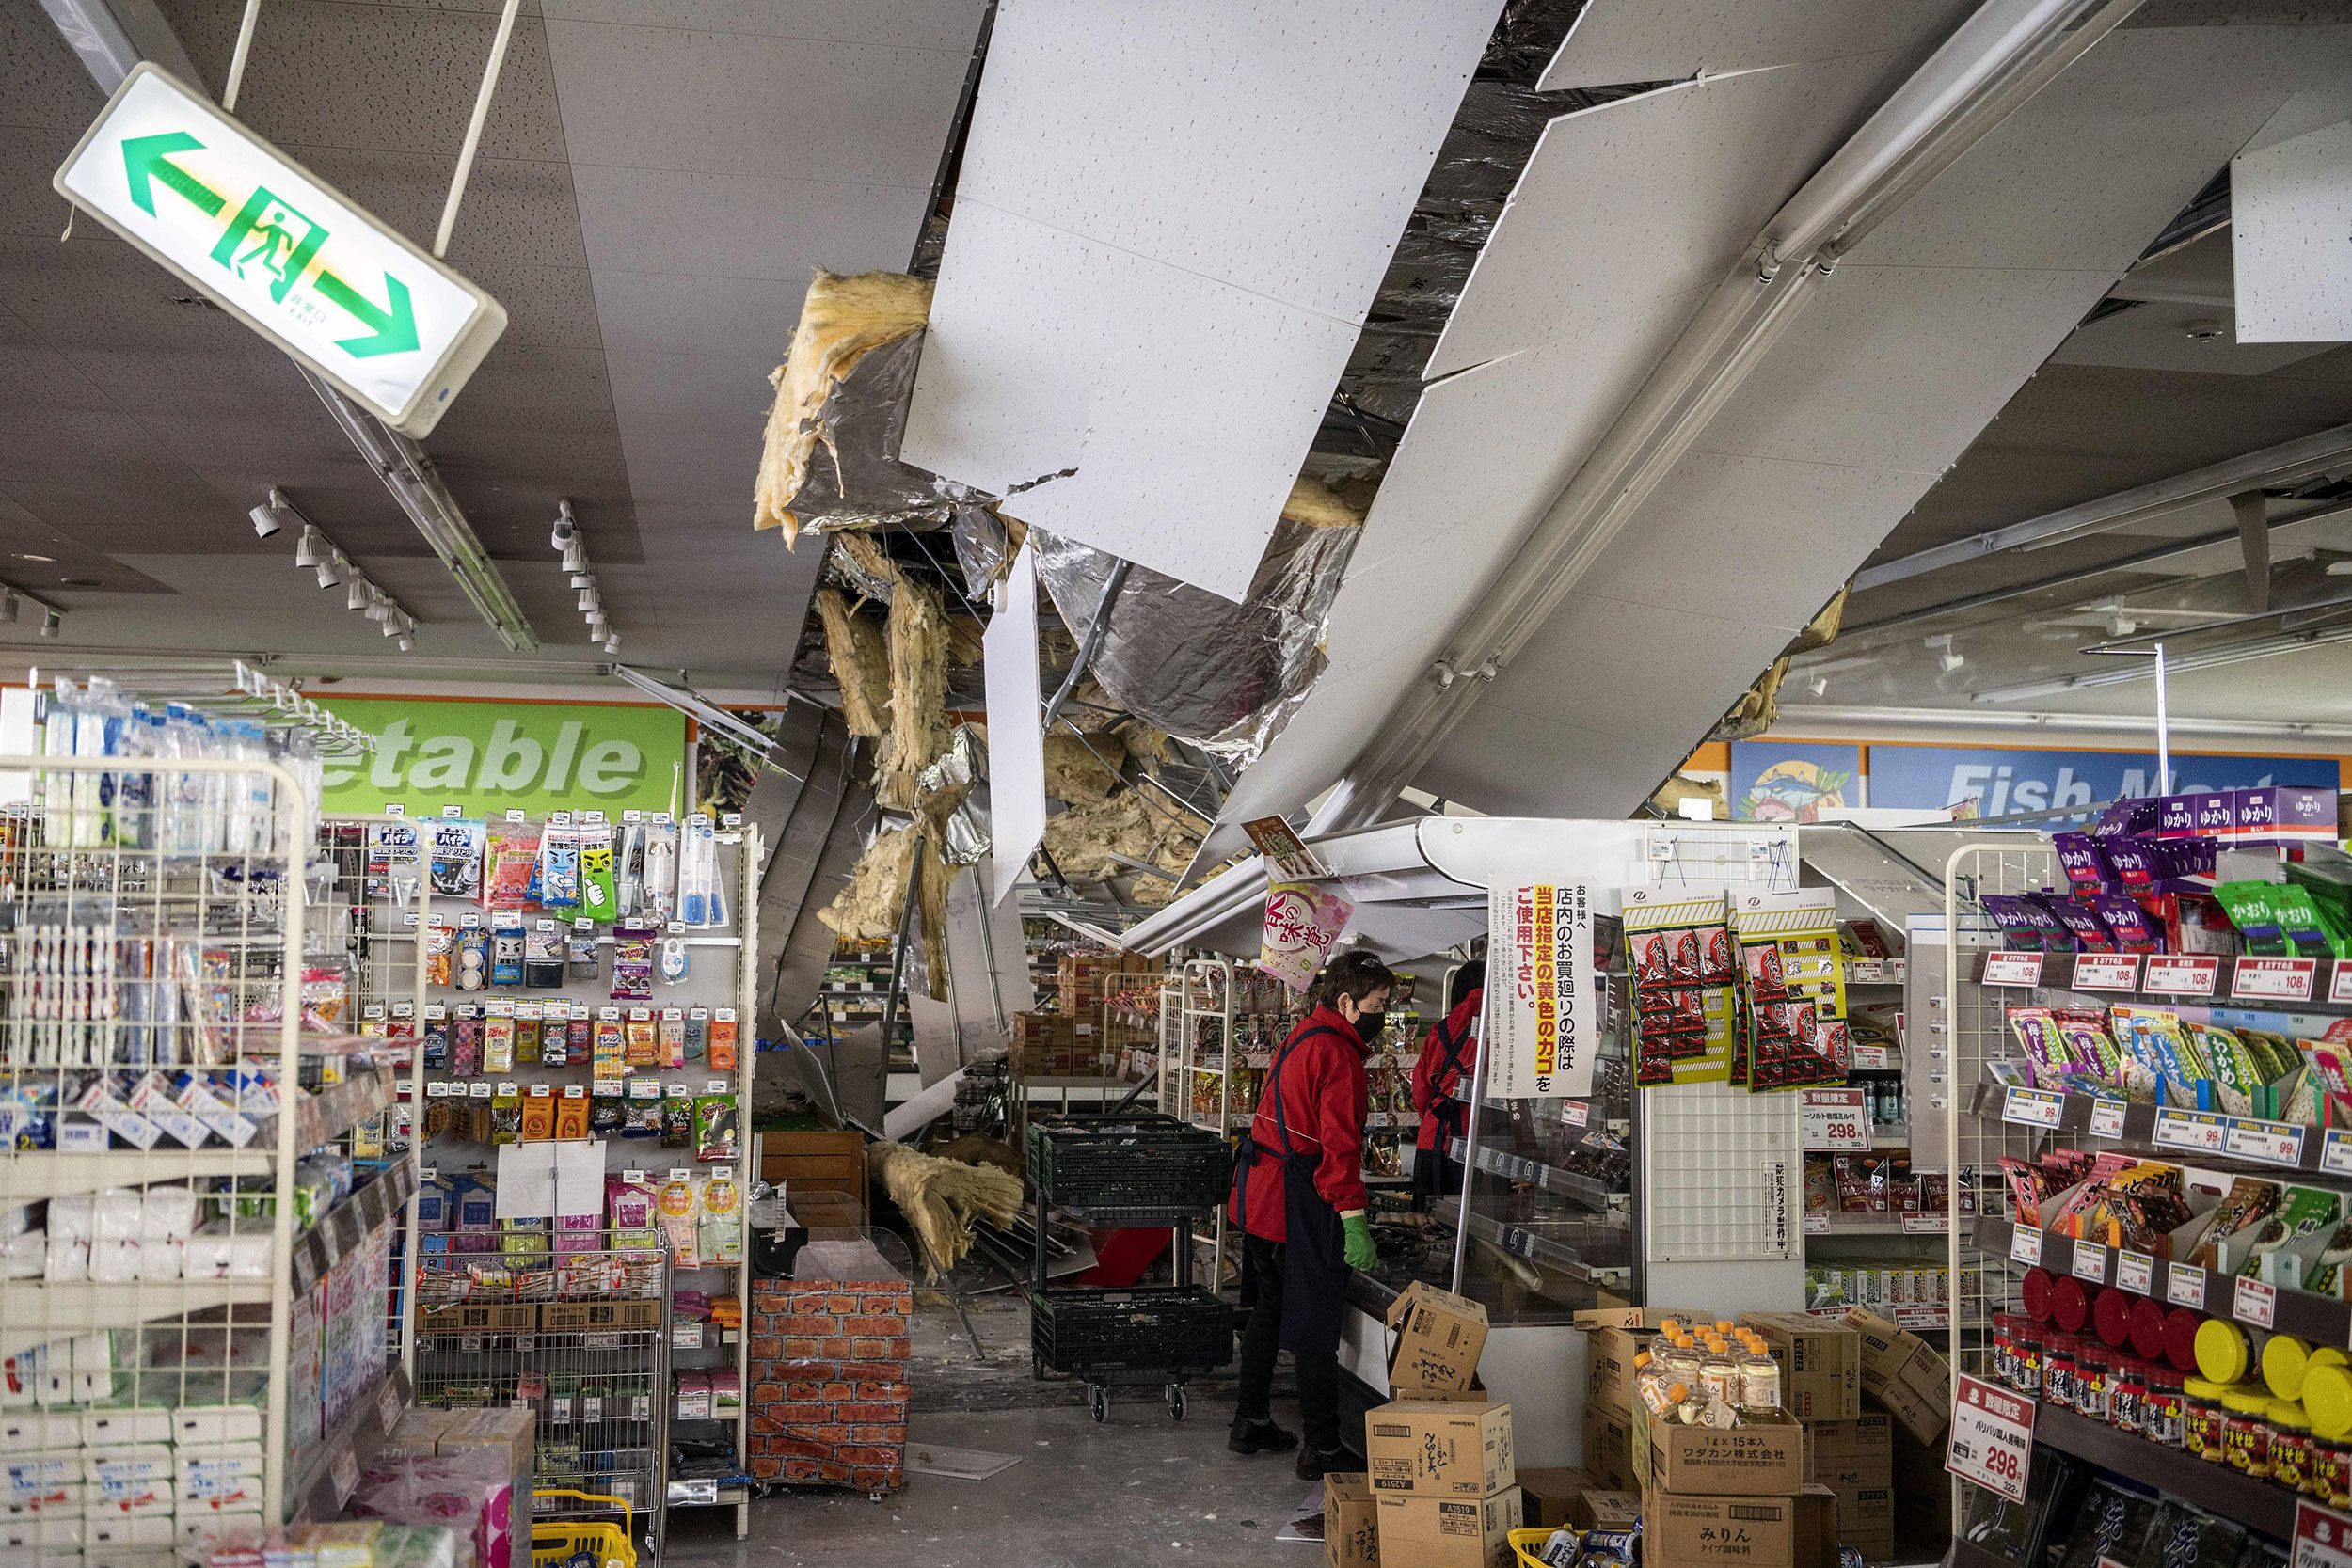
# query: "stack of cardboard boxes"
(1854, 1460)
(1442, 1490)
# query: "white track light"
(613, 643)
(308, 548)
(330, 570)
(8, 604)
(51, 623)
(357, 597)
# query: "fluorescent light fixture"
(417, 485)
(721, 724)
(2175, 665)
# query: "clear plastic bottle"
(1680, 1361)
(1720, 1373)
(1759, 1375)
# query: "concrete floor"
(1138, 1489)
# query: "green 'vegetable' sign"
(491, 757)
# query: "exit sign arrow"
(286, 253)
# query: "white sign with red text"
(1992, 1438)
(1543, 1008)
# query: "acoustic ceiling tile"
(1646, 197)
(650, 312)
(1275, 145)
(741, 226)
(1613, 41)
(951, 24)
(749, 104)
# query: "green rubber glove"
(1359, 1252)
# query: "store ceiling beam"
(725, 725)
(1994, 62)
(2286, 463)
(1823, 717)
(2252, 508)
(2172, 550)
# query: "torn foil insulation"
(983, 549)
(829, 459)
(944, 799)
(1221, 676)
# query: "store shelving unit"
(718, 979)
(156, 917)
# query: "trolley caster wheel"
(1099, 1404)
(1176, 1400)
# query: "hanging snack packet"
(435, 1038)
(506, 1114)
(498, 1038)
(571, 1113)
(580, 1034)
(675, 1210)
(722, 1220)
(643, 1047)
(596, 893)
(539, 1113)
(440, 940)
(608, 1060)
(511, 858)
(530, 1022)
(455, 867)
(697, 1033)
(465, 1050)
(543, 957)
(673, 1022)
(677, 1117)
(716, 1136)
(645, 1109)
(722, 1046)
(632, 964)
(581, 961)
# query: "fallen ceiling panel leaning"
(1905, 354)
(1623, 40)
(1166, 312)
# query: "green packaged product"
(2235, 1074)
(2302, 1213)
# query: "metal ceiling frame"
(1802, 718)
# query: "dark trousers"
(1262, 1340)
(1435, 1175)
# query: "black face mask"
(1368, 1025)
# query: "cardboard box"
(1797, 1531)
(1866, 1519)
(1609, 1447)
(1650, 1318)
(1855, 1453)
(1544, 1495)
(1605, 1510)
(1440, 1449)
(471, 1318)
(1351, 1529)
(1449, 1532)
(1475, 1394)
(1907, 1377)
(1759, 1459)
(1439, 1337)
(1821, 1363)
(1608, 1367)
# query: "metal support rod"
(1469, 1138)
(899, 964)
(1087, 649)
(473, 127)
(2163, 730)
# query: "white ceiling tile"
(1275, 145)
(741, 226)
(2158, 336)
(669, 98)
(1646, 197)
(1664, 40)
(951, 25)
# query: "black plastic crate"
(1179, 1331)
(1142, 1161)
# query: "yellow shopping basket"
(576, 1542)
(1526, 1543)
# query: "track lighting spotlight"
(575, 555)
(407, 644)
(565, 527)
(273, 514)
(358, 597)
(50, 623)
(588, 598)
(8, 604)
(613, 643)
(308, 548)
(331, 570)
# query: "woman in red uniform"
(1448, 1052)
(1298, 1194)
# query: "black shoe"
(1314, 1463)
(1258, 1437)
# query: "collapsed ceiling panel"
(1629, 202)
(1871, 392)
(1623, 40)
(1207, 287)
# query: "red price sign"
(1835, 1119)
(2323, 1538)
(2273, 979)
(2012, 968)
(2182, 974)
(1992, 1437)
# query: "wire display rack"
(195, 1146)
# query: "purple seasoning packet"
(2086, 861)
(2082, 923)
(2127, 920)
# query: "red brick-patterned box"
(829, 1382)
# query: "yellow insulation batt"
(1080, 775)
(918, 693)
(867, 908)
(941, 1199)
(842, 319)
(1317, 505)
(1086, 841)
(861, 664)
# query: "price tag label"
(2032, 1107)
(2273, 979)
(2012, 968)
(2090, 1262)
(2255, 1303)
(2135, 1272)
(1835, 1120)
(2335, 1151)
(2107, 1118)
(394, 808)
(2323, 1538)
(2106, 971)
(2025, 1246)
(1817, 1222)
(2182, 974)
(2340, 984)
(2185, 1285)
(1575, 1113)
(1874, 1058)
(2192, 1132)
(343, 1469)
(1934, 1224)
(1991, 1440)
(2270, 1143)
(515, 814)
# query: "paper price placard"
(2185, 1285)
(2255, 1303)
(1992, 1438)
(2107, 1118)
(2032, 1107)
(2273, 979)
(2192, 1132)
(2106, 971)
(2323, 1538)
(2090, 1262)
(2025, 1246)
(2270, 1143)
(2182, 974)
(2012, 968)
(1835, 1120)
(2335, 1151)
(2135, 1272)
